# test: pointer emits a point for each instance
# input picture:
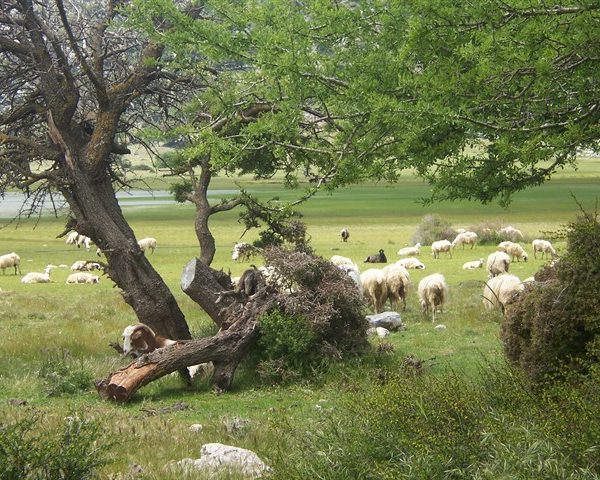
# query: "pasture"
(49, 327)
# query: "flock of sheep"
(392, 281)
(82, 268)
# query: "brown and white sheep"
(345, 234)
(433, 292)
(497, 263)
(374, 288)
(397, 280)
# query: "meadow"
(49, 330)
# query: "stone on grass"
(196, 427)
(440, 327)
(389, 320)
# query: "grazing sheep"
(377, 258)
(411, 262)
(82, 277)
(37, 277)
(141, 339)
(353, 272)
(511, 233)
(543, 246)
(432, 292)
(345, 234)
(75, 238)
(499, 291)
(85, 266)
(441, 246)
(374, 288)
(473, 265)
(147, 243)
(465, 238)
(514, 250)
(10, 260)
(338, 260)
(412, 251)
(460, 230)
(397, 280)
(497, 263)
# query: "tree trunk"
(225, 350)
(99, 216)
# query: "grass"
(41, 321)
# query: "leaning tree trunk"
(99, 216)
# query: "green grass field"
(39, 321)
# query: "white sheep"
(411, 262)
(514, 250)
(441, 246)
(473, 265)
(433, 292)
(397, 281)
(465, 238)
(412, 251)
(82, 277)
(75, 238)
(374, 288)
(10, 260)
(511, 233)
(37, 277)
(497, 263)
(543, 246)
(338, 260)
(499, 291)
(460, 230)
(353, 272)
(85, 266)
(147, 243)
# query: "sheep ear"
(137, 334)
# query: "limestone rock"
(389, 320)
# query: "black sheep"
(377, 258)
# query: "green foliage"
(487, 232)
(64, 375)
(433, 228)
(446, 427)
(30, 449)
(556, 324)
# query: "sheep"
(85, 266)
(338, 260)
(497, 263)
(511, 233)
(82, 277)
(147, 243)
(460, 230)
(411, 262)
(75, 238)
(353, 272)
(441, 246)
(345, 234)
(543, 246)
(432, 291)
(499, 291)
(243, 251)
(377, 258)
(141, 339)
(397, 281)
(37, 277)
(412, 251)
(473, 265)
(514, 250)
(465, 238)
(10, 260)
(374, 288)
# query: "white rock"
(382, 332)
(216, 458)
(440, 327)
(196, 427)
(389, 320)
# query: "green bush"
(32, 449)
(448, 427)
(554, 326)
(487, 232)
(433, 228)
(64, 375)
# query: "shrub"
(433, 228)
(448, 427)
(487, 232)
(320, 320)
(64, 375)
(31, 449)
(555, 325)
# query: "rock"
(196, 427)
(382, 332)
(440, 327)
(371, 331)
(216, 458)
(389, 320)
